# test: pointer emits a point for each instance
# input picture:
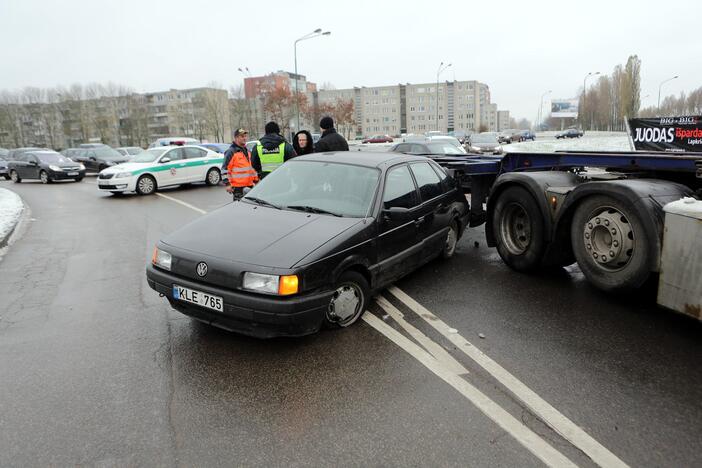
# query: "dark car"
(46, 166)
(484, 143)
(311, 243)
(569, 133)
(13, 153)
(4, 172)
(216, 147)
(442, 148)
(378, 139)
(527, 135)
(99, 158)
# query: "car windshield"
(445, 147)
(52, 158)
(135, 150)
(149, 155)
(484, 139)
(340, 189)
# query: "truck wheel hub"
(609, 239)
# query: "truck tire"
(610, 244)
(349, 301)
(519, 229)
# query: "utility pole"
(440, 70)
(316, 33)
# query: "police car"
(162, 167)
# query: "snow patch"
(592, 141)
(11, 207)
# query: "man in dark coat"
(331, 140)
(275, 151)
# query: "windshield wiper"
(312, 209)
(262, 202)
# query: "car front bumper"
(125, 184)
(64, 175)
(247, 313)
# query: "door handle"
(419, 221)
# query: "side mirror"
(246, 190)
(165, 159)
(32, 163)
(394, 212)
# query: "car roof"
(360, 158)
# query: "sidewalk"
(11, 207)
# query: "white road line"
(550, 415)
(439, 353)
(525, 436)
(181, 202)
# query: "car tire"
(619, 239)
(146, 185)
(44, 177)
(6, 176)
(349, 301)
(451, 241)
(14, 176)
(213, 177)
(78, 179)
(518, 228)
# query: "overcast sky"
(520, 49)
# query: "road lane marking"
(439, 353)
(525, 436)
(547, 413)
(181, 202)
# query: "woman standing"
(302, 142)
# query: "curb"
(5, 239)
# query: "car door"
(398, 247)
(31, 167)
(434, 212)
(196, 167)
(18, 162)
(171, 169)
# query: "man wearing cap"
(331, 140)
(237, 163)
(271, 152)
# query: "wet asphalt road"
(97, 370)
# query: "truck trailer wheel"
(610, 244)
(519, 229)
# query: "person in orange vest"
(238, 163)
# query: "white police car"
(162, 167)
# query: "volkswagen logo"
(201, 269)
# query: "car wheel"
(78, 179)
(349, 300)
(6, 176)
(519, 229)
(44, 177)
(214, 176)
(451, 241)
(146, 185)
(610, 244)
(15, 177)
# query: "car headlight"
(120, 175)
(161, 259)
(55, 168)
(81, 167)
(272, 284)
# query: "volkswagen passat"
(308, 245)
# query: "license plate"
(198, 297)
(72, 173)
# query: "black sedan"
(98, 158)
(310, 244)
(46, 166)
(569, 133)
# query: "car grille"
(105, 176)
(107, 187)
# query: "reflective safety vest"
(271, 159)
(241, 173)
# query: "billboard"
(667, 133)
(564, 108)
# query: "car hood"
(246, 233)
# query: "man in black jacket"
(331, 140)
(271, 151)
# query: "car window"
(192, 153)
(402, 148)
(419, 149)
(427, 180)
(400, 190)
(18, 157)
(30, 158)
(175, 154)
(447, 182)
(90, 154)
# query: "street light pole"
(438, 72)
(659, 91)
(316, 33)
(541, 106)
(585, 85)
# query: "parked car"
(484, 143)
(98, 158)
(378, 139)
(129, 151)
(45, 165)
(439, 147)
(527, 135)
(4, 171)
(216, 147)
(161, 167)
(13, 153)
(310, 243)
(93, 145)
(460, 135)
(72, 152)
(569, 133)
